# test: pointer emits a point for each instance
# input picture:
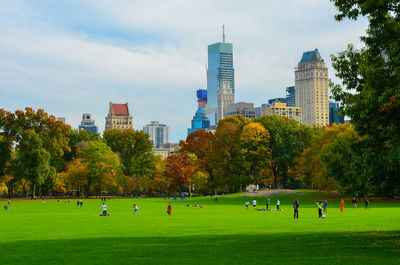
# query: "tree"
(225, 159)
(343, 160)
(254, 149)
(371, 92)
(135, 151)
(200, 143)
(34, 159)
(103, 166)
(286, 143)
(180, 168)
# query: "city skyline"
(74, 57)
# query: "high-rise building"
(87, 123)
(118, 117)
(220, 69)
(334, 116)
(281, 109)
(281, 100)
(241, 108)
(291, 96)
(159, 133)
(200, 121)
(225, 98)
(312, 94)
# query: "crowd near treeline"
(39, 155)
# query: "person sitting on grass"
(5, 207)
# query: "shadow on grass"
(284, 248)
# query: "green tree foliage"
(34, 159)
(78, 139)
(103, 166)
(343, 160)
(287, 139)
(371, 92)
(254, 150)
(134, 149)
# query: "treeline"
(41, 156)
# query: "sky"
(75, 56)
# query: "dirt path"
(268, 193)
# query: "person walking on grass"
(135, 209)
(246, 205)
(342, 205)
(325, 206)
(366, 204)
(254, 204)
(268, 202)
(81, 203)
(169, 209)
(296, 209)
(278, 203)
(319, 208)
(354, 201)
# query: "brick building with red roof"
(118, 117)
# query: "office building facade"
(311, 89)
(241, 108)
(159, 133)
(291, 96)
(87, 123)
(118, 117)
(272, 100)
(282, 110)
(220, 70)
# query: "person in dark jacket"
(296, 209)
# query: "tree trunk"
(33, 190)
(87, 189)
(275, 176)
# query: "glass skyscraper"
(220, 70)
(291, 96)
(199, 122)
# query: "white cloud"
(152, 53)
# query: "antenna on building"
(223, 32)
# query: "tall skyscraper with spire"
(220, 70)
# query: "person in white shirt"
(136, 209)
(104, 209)
(278, 202)
(246, 204)
(254, 204)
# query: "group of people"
(136, 209)
(267, 203)
(79, 203)
(322, 206)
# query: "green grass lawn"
(222, 232)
